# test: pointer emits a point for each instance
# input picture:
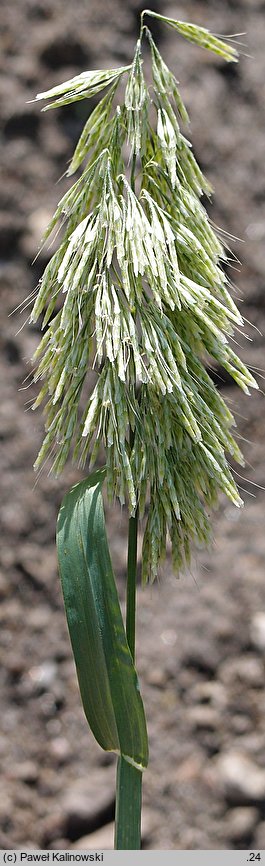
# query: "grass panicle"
(136, 293)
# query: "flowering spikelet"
(136, 293)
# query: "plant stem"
(131, 583)
(133, 171)
(128, 807)
(142, 25)
(129, 779)
(132, 556)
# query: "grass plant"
(136, 292)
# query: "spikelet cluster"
(136, 293)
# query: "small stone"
(39, 617)
(157, 677)
(29, 845)
(224, 628)
(189, 770)
(246, 669)
(89, 802)
(7, 429)
(194, 838)
(51, 828)
(257, 631)
(203, 717)
(60, 749)
(241, 823)
(24, 68)
(202, 657)
(100, 840)
(259, 838)
(210, 693)
(5, 807)
(253, 743)
(241, 724)
(35, 228)
(242, 781)
(43, 676)
(103, 838)
(27, 772)
(32, 563)
(15, 665)
(59, 844)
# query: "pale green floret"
(198, 35)
(165, 83)
(136, 98)
(136, 296)
(96, 131)
(82, 86)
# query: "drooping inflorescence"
(136, 293)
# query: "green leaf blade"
(106, 674)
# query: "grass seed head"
(136, 292)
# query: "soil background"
(201, 639)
